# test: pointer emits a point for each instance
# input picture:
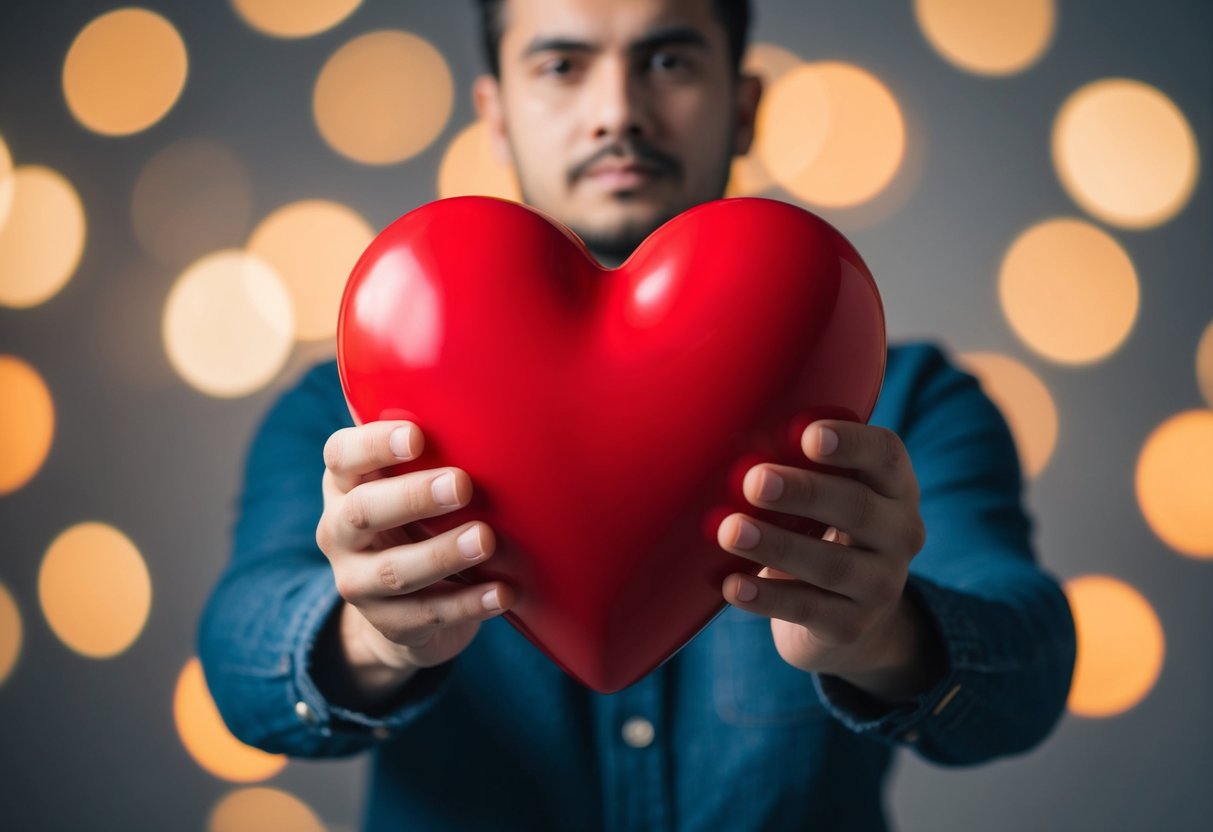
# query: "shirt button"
(304, 711)
(381, 732)
(638, 732)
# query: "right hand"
(401, 612)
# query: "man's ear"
(486, 95)
(749, 93)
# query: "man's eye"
(558, 66)
(667, 61)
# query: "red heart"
(606, 417)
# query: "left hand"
(838, 604)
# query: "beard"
(612, 245)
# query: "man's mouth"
(627, 165)
(619, 175)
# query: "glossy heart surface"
(606, 417)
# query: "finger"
(377, 505)
(405, 569)
(838, 501)
(839, 569)
(830, 617)
(412, 619)
(876, 454)
(351, 453)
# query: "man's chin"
(615, 244)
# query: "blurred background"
(184, 187)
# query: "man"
(922, 620)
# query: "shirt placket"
(633, 738)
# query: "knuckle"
(389, 576)
(802, 488)
(779, 546)
(432, 614)
(891, 449)
(837, 568)
(915, 535)
(323, 537)
(804, 607)
(863, 507)
(334, 450)
(354, 512)
(346, 587)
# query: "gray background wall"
(92, 744)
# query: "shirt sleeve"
(1005, 622)
(260, 624)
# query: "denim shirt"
(723, 735)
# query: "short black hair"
(734, 16)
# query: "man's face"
(617, 114)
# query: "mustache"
(644, 153)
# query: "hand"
(401, 613)
(838, 604)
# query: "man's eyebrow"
(674, 35)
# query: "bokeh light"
(1125, 153)
(124, 71)
(191, 198)
(94, 589)
(312, 245)
(1120, 646)
(1204, 364)
(206, 737)
(470, 168)
(260, 808)
(990, 37)
(1174, 482)
(383, 97)
(6, 182)
(294, 18)
(1069, 291)
(27, 423)
(748, 175)
(11, 633)
(228, 324)
(832, 134)
(1024, 400)
(42, 239)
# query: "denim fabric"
(501, 738)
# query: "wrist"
(910, 657)
(374, 662)
(349, 671)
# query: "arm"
(268, 635)
(1003, 623)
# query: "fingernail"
(827, 441)
(747, 535)
(443, 490)
(746, 590)
(469, 543)
(489, 599)
(398, 441)
(771, 486)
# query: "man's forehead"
(600, 20)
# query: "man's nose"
(620, 107)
